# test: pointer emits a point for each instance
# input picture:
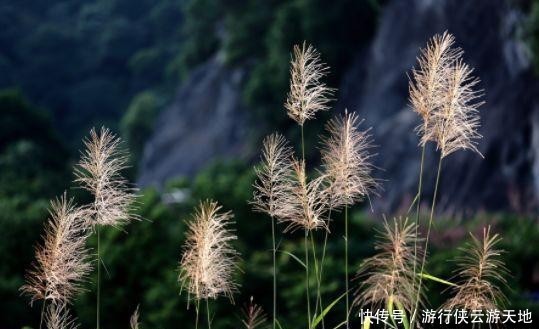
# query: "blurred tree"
(137, 123)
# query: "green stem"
(98, 274)
(302, 144)
(346, 265)
(307, 281)
(274, 272)
(197, 311)
(418, 207)
(427, 238)
(316, 272)
(319, 296)
(42, 312)
(208, 313)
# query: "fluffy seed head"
(57, 317)
(457, 121)
(347, 161)
(443, 92)
(308, 94)
(62, 262)
(304, 204)
(481, 272)
(273, 176)
(429, 80)
(389, 274)
(99, 172)
(253, 316)
(208, 262)
(134, 320)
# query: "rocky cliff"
(207, 118)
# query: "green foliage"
(85, 60)
(137, 123)
(32, 171)
(531, 33)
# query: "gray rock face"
(205, 121)
(377, 87)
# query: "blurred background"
(192, 87)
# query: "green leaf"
(319, 318)
(367, 322)
(433, 278)
(405, 322)
(340, 325)
(278, 324)
(294, 257)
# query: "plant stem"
(42, 312)
(307, 283)
(98, 273)
(274, 272)
(418, 208)
(319, 296)
(316, 272)
(346, 265)
(427, 239)
(302, 144)
(208, 313)
(197, 310)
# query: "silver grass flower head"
(389, 274)
(428, 83)
(308, 94)
(347, 161)
(482, 271)
(57, 317)
(99, 172)
(209, 261)
(134, 319)
(62, 261)
(456, 123)
(253, 316)
(305, 203)
(273, 176)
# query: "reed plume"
(457, 121)
(62, 262)
(304, 205)
(57, 317)
(99, 172)
(346, 158)
(253, 316)
(389, 275)
(429, 82)
(308, 94)
(134, 320)
(208, 260)
(271, 189)
(273, 176)
(482, 271)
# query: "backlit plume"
(99, 172)
(134, 320)
(62, 260)
(443, 92)
(389, 276)
(347, 161)
(304, 204)
(457, 121)
(481, 271)
(273, 176)
(253, 316)
(57, 317)
(209, 261)
(308, 94)
(429, 81)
